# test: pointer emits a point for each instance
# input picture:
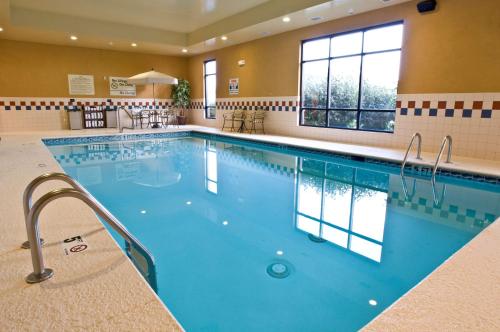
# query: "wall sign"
(74, 245)
(81, 84)
(118, 86)
(234, 86)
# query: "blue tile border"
(424, 171)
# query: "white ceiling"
(166, 26)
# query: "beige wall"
(39, 70)
(454, 49)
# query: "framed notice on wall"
(234, 86)
(81, 84)
(118, 86)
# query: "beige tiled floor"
(101, 290)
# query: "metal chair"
(145, 115)
(239, 119)
(227, 117)
(256, 119)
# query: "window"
(349, 80)
(210, 79)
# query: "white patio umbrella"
(152, 77)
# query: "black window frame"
(358, 110)
(205, 75)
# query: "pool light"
(143, 211)
(286, 19)
(372, 302)
(73, 38)
(225, 223)
(279, 252)
(189, 203)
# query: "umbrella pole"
(153, 96)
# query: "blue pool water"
(250, 238)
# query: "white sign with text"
(118, 86)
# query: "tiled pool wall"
(389, 166)
(472, 119)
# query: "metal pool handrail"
(448, 139)
(419, 150)
(133, 246)
(31, 187)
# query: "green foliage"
(181, 94)
(344, 95)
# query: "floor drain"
(315, 238)
(278, 270)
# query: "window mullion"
(358, 115)
(328, 82)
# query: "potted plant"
(181, 97)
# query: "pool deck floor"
(99, 289)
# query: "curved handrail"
(118, 119)
(30, 188)
(419, 150)
(40, 273)
(438, 202)
(408, 197)
(448, 139)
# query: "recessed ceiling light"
(316, 18)
(1, 29)
(350, 11)
(223, 37)
(286, 19)
(133, 45)
(110, 43)
(73, 37)
(184, 50)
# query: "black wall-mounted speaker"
(426, 6)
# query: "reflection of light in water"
(189, 203)
(143, 211)
(343, 213)
(372, 302)
(279, 252)
(225, 223)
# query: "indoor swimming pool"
(254, 237)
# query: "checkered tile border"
(448, 107)
(59, 104)
(286, 104)
(465, 216)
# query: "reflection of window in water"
(211, 166)
(343, 205)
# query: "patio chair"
(172, 117)
(227, 117)
(238, 121)
(145, 115)
(256, 121)
(136, 116)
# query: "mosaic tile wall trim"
(466, 217)
(464, 106)
(59, 104)
(420, 171)
(285, 104)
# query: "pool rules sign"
(119, 86)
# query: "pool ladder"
(419, 150)
(140, 256)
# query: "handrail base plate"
(34, 278)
